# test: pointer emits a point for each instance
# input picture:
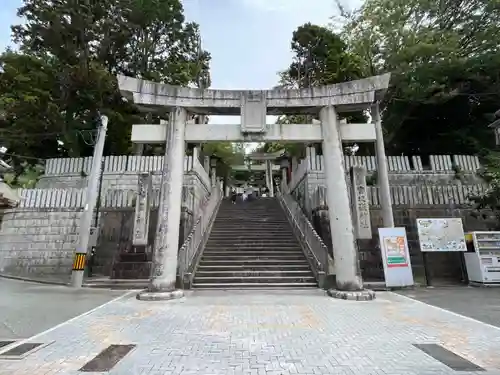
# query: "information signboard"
(395, 257)
(441, 235)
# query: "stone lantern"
(284, 162)
(495, 125)
(214, 161)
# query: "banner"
(395, 257)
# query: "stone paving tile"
(265, 333)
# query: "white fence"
(437, 163)
(396, 164)
(74, 198)
(123, 163)
(424, 195)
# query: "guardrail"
(190, 251)
(315, 249)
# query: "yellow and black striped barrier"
(79, 261)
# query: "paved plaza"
(264, 333)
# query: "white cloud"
(314, 11)
(290, 6)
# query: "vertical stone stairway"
(252, 245)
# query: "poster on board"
(395, 257)
(441, 235)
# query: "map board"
(440, 235)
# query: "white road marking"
(17, 343)
(448, 311)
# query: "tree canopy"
(320, 57)
(443, 56)
(53, 90)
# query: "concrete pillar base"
(356, 295)
(160, 296)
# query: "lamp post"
(284, 161)
(214, 160)
(3, 165)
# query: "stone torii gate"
(268, 158)
(254, 106)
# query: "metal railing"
(192, 247)
(315, 249)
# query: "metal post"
(90, 202)
(99, 193)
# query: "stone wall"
(38, 239)
(431, 202)
(442, 188)
(39, 242)
(442, 266)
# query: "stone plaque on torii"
(254, 106)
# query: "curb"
(38, 281)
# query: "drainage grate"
(107, 359)
(22, 350)
(448, 358)
(6, 343)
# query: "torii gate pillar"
(253, 106)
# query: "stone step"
(131, 270)
(302, 266)
(253, 246)
(134, 257)
(254, 273)
(243, 232)
(263, 254)
(240, 221)
(244, 258)
(276, 212)
(228, 242)
(254, 262)
(256, 235)
(250, 227)
(254, 286)
(243, 249)
(251, 217)
(254, 279)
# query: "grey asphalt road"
(482, 304)
(30, 308)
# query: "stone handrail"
(193, 245)
(315, 249)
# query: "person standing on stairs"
(233, 196)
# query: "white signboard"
(440, 235)
(395, 257)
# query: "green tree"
(85, 43)
(444, 59)
(321, 57)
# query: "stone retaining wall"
(38, 243)
(38, 239)
(443, 266)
